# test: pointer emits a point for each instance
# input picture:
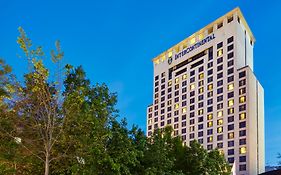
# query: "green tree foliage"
(70, 126)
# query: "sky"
(115, 40)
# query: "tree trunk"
(47, 165)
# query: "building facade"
(205, 88)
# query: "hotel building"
(205, 88)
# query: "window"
(192, 72)
(220, 145)
(242, 124)
(201, 76)
(220, 113)
(229, 40)
(230, 71)
(191, 136)
(242, 82)
(231, 135)
(210, 101)
(210, 139)
(170, 83)
(220, 137)
(201, 69)
(220, 60)
(177, 80)
(200, 90)
(230, 79)
(220, 25)
(219, 129)
(210, 79)
(210, 124)
(230, 127)
(184, 110)
(230, 102)
(230, 47)
(242, 91)
(242, 99)
(230, 111)
(220, 83)
(219, 98)
(242, 116)
(230, 86)
(210, 86)
(230, 94)
(200, 134)
(210, 72)
(209, 131)
(183, 131)
(242, 167)
(230, 143)
(242, 74)
(192, 79)
(184, 83)
(210, 30)
(242, 107)
(219, 68)
(231, 160)
(220, 75)
(219, 45)
(230, 152)
(156, 77)
(201, 126)
(230, 63)
(220, 122)
(242, 141)
(230, 55)
(220, 90)
(210, 116)
(230, 119)
(242, 150)
(219, 52)
(210, 94)
(210, 64)
(229, 19)
(209, 147)
(242, 159)
(242, 133)
(184, 77)
(192, 86)
(201, 83)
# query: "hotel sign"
(195, 46)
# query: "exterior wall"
(176, 103)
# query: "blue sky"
(115, 40)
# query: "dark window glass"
(200, 126)
(200, 134)
(200, 97)
(230, 95)
(231, 160)
(192, 79)
(200, 119)
(230, 55)
(230, 143)
(230, 47)
(192, 100)
(219, 137)
(191, 94)
(210, 101)
(220, 145)
(209, 131)
(242, 74)
(219, 98)
(210, 72)
(156, 77)
(220, 67)
(210, 79)
(230, 63)
(242, 82)
(183, 131)
(230, 78)
(230, 71)
(219, 45)
(229, 40)
(242, 124)
(220, 83)
(220, 75)
(192, 72)
(191, 136)
(210, 64)
(210, 109)
(219, 60)
(230, 119)
(230, 127)
(201, 69)
(242, 107)
(242, 142)
(242, 167)
(242, 133)
(183, 103)
(242, 159)
(230, 152)
(220, 90)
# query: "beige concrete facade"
(205, 88)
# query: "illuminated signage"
(195, 46)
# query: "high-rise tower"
(205, 88)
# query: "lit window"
(192, 86)
(242, 99)
(230, 103)
(230, 110)
(210, 124)
(220, 122)
(210, 86)
(170, 83)
(230, 87)
(184, 45)
(210, 139)
(201, 76)
(200, 36)
(242, 116)
(231, 135)
(176, 106)
(177, 80)
(163, 58)
(184, 110)
(149, 121)
(242, 150)
(201, 90)
(157, 61)
(200, 112)
(191, 128)
(221, 152)
(170, 54)
(220, 129)
(210, 116)
(192, 40)
(184, 76)
(169, 102)
(220, 52)
(220, 114)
